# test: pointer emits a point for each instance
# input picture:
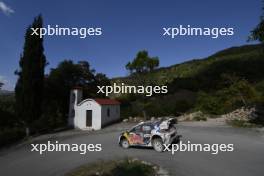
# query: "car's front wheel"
(158, 144)
(124, 143)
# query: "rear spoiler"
(165, 124)
(173, 121)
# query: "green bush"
(182, 106)
(7, 111)
(158, 105)
(11, 135)
(200, 118)
(259, 116)
(239, 93)
(240, 123)
(209, 104)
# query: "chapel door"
(89, 117)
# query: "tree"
(258, 32)
(102, 80)
(129, 67)
(142, 63)
(152, 63)
(59, 83)
(29, 87)
(139, 63)
(61, 80)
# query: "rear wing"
(173, 121)
(165, 124)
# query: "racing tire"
(158, 145)
(124, 143)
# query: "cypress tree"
(29, 87)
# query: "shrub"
(238, 94)
(200, 117)
(259, 116)
(208, 103)
(126, 167)
(240, 123)
(182, 106)
(11, 135)
(7, 112)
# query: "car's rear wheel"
(124, 143)
(158, 145)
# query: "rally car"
(151, 134)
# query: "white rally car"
(151, 134)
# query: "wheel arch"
(122, 138)
(156, 137)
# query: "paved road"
(246, 160)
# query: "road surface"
(247, 159)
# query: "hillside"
(218, 84)
(242, 55)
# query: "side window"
(146, 129)
(136, 129)
(132, 130)
(108, 112)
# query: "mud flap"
(177, 139)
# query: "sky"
(128, 27)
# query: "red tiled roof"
(103, 101)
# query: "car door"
(146, 129)
(136, 136)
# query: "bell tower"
(75, 98)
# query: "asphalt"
(247, 159)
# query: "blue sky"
(128, 26)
